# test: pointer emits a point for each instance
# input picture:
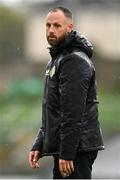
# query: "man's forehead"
(56, 16)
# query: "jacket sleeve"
(38, 143)
(74, 78)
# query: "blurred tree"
(11, 35)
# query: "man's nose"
(51, 29)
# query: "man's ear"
(70, 27)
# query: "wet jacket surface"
(70, 106)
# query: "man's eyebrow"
(48, 23)
(55, 23)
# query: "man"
(70, 128)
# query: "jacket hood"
(74, 40)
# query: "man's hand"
(66, 167)
(34, 156)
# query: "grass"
(25, 115)
(109, 111)
(20, 120)
(19, 116)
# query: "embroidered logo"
(52, 71)
(47, 72)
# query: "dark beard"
(59, 40)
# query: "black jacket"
(70, 105)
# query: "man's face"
(57, 27)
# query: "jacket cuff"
(38, 143)
(68, 152)
(67, 157)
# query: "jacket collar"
(55, 50)
(74, 40)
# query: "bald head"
(65, 11)
(58, 25)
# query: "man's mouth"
(51, 37)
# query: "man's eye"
(57, 25)
(47, 25)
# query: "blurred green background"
(22, 69)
